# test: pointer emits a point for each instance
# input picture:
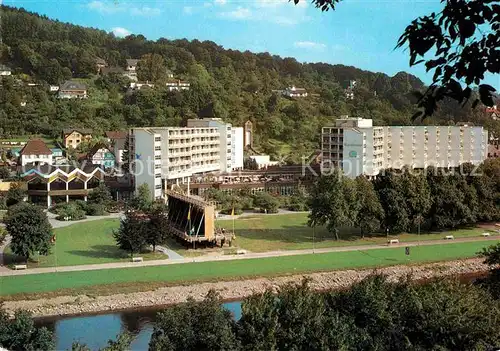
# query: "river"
(96, 330)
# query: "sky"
(360, 33)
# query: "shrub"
(96, 210)
(266, 202)
(71, 210)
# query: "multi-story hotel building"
(358, 147)
(161, 156)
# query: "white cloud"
(220, 2)
(187, 10)
(145, 11)
(281, 12)
(104, 7)
(241, 13)
(207, 4)
(120, 31)
(309, 45)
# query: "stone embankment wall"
(231, 290)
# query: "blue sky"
(359, 33)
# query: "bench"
(241, 252)
(449, 237)
(137, 259)
(20, 266)
(393, 241)
(485, 234)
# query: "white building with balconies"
(358, 147)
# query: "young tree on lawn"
(100, 195)
(157, 226)
(142, 199)
(20, 333)
(370, 213)
(132, 234)
(329, 203)
(266, 202)
(30, 230)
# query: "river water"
(96, 330)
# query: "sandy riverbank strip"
(230, 290)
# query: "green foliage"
(142, 199)
(229, 84)
(4, 173)
(266, 202)
(157, 231)
(122, 343)
(195, 326)
(96, 210)
(331, 202)
(404, 200)
(373, 314)
(3, 234)
(133, 233)
(100, 196)
(30, 230)
(21, 334)
(152, 68)
(15, 195)
(370, 213)
(72, 210)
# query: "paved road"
(171, 253)
(234, 257)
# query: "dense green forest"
(233, 85)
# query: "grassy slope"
(261, 233)
(85, 243)
(204, 271)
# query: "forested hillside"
(233, 85)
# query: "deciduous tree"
(30, 230)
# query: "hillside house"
(35, 152)
(140, 85)
(100, 64)
(177, 85)
(170, 74)
(117, 141)
(102, 156)
(53, 88)
(131, 69)
(72, 137)
(5, 71)
(72, 90)
(295, 92)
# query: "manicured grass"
(94, 281)
(262, 233)
(85, 243)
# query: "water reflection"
(96, 330)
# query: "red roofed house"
(35, 152)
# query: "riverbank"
(231, 290)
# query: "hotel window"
(157, 157)
(157, 148)
(157, 138)
(158, 186)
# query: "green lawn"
(94, 282)
(262, 233)
(84, 243)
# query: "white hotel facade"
(161, 156)
(358, 147)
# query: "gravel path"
(68, 305)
